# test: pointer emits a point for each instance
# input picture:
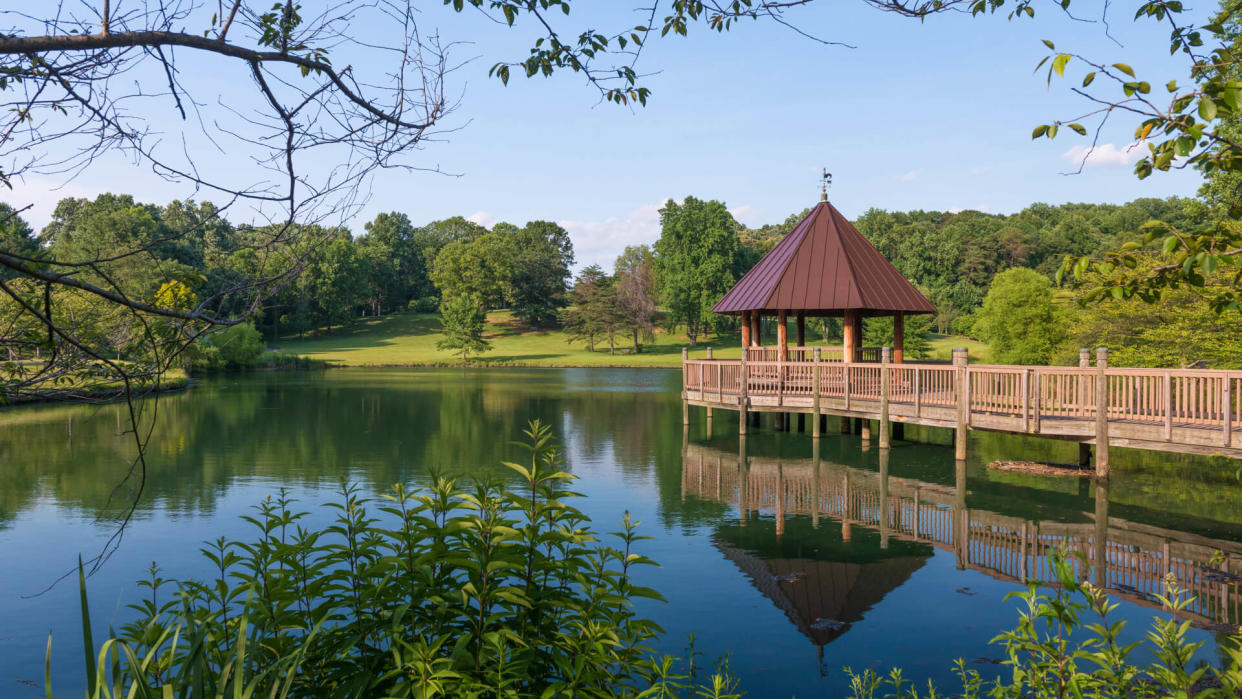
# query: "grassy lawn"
(942, 347)
(408, 339)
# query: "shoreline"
(99, 396)
(504, 365)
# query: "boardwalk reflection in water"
(880, 529)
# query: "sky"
(932, 115)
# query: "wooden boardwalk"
(1129, 559)
(1196, 411)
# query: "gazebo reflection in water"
(834, 540)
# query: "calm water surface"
(789, 596)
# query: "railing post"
(1228, 410)
(1084, 362)
(685, 404)
(960, 359)
(845, 373)
(1026, 400)
(918, 392)
(709, 354)
(1168, 406)
(780, 378)
(886, 356)
(1036, 393)
(1101, 413)
(815, 394)
(742, 399)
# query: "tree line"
(463, 270)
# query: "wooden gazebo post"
(899, 336)
(782, 336)
(801, 324)
(849, 343)
(745, 329)
(756, 334)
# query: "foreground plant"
(442, 590)
(1065, 645)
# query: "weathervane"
(825, 181)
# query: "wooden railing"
(1152, 403)
(803, 354)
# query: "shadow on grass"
(496, 359)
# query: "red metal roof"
(824, 265)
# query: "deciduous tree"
(463, 318)
(1019, 320)
(695, 259)
(636, 295)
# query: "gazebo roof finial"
(825, 181)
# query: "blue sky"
(931, 115)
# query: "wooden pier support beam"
(866, 433)
(1101, 413)
(960, 359)
(886, 357)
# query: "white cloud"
(910, 176)
(599, 242)
(1105, 155)
(746, 214)
(483, 219)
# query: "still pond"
(790, 559)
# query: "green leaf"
(1039, 131)
(1207, 108)
(1079, 129)
(1124, 68)
(1088, 78)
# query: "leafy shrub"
(235, 347)
(427, 304)
(964, 325)
(289, 360)
(444, 590)
(1050, 657)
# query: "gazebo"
(823, 268)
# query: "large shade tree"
(695, 259)
(1019, 320)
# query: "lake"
(869, 559)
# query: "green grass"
(408, 339)
(942, 347)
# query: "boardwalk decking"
(1129, 559)
(1195, 411)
